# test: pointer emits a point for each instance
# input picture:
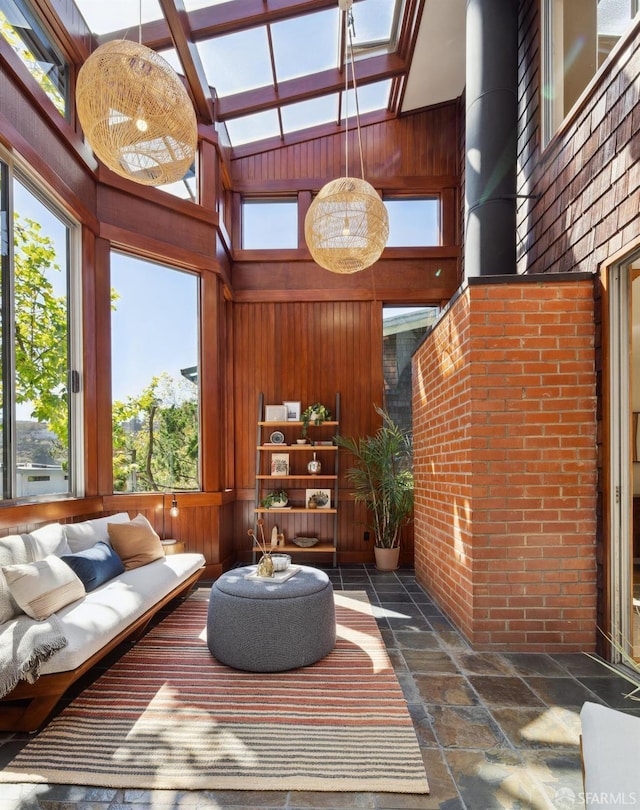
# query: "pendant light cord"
(346, 93)
(348, 27)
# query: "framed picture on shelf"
(280, 464)
(275, 413)
(317, 499)
(294, 409)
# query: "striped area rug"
(167, 715)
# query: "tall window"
(40, 380)
(22, 29)
(402, 330)
(578, 35)
(155, 353)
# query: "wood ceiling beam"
(237, 15)
(182, 38)
(369, 70)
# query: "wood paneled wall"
(418, 145)
(308, 352)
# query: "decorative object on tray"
(265, 563)
(316, 413)
(305, 542)
(277, 538)
(293, 411)
(275, 413)
(314, 467)
(318, 498)
(277, 576)
(275, 500)
(277, 437)
(280, 464)
(280, 562)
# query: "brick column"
(505, 463)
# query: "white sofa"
(93, 624)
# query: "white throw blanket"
(25, 644)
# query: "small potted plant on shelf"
(382, 480)
(275, 500)
(316, 413)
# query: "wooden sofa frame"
(27, 706)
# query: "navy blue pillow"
(95, 565)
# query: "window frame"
(13, 170)
(553, 123)
(39, 40)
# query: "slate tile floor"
(496, 730)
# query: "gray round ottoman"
(265, 626)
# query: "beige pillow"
(136, 543)
(41, 588)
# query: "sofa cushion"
(136, 542)
(95, 565)
(93, 621)
(47, 540)
(15, 548)
(86, 534)
(41, 588)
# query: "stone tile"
(488, 780)
(395, 596)
(410, 640)
(578, 664)
(429, 661)
(534, 664)
(409, 688)
(560, 774)
(304, 800)
(422, 724)
(466, 727)
(611, 689)
(503, 691)
(442, 795)
(449, 690)
(542, 727)
(560, 691)
(451, 638)
(482, 663)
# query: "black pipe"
(491, 137)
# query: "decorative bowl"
(280, 562)
(305, 542)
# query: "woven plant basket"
(136, 114)
(347, 226)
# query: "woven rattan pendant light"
(347, 226)
(136, 114)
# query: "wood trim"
(423, 185)
(91, 409)
(16, 515)
(101, 361)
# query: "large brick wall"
(505, 463)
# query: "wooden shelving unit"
(321, 443)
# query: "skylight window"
(253, 127)
(237, 62)
(102, 18)
(310, 113)
(291, 38)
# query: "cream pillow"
(41, 588)
(136, 542)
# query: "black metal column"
(491, 137)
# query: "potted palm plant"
(382, 479)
